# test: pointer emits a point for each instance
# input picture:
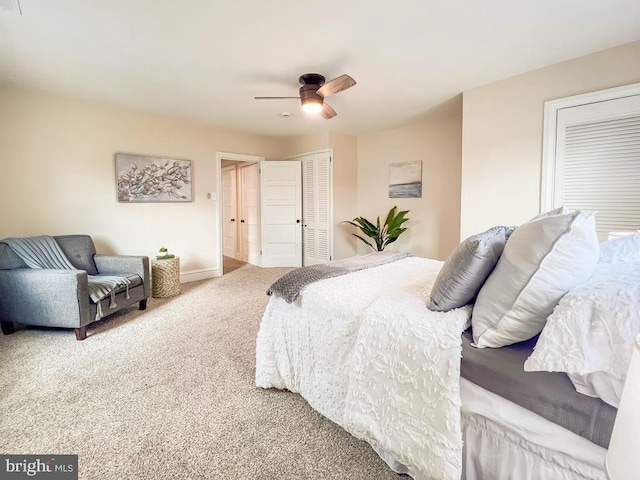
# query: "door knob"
(241, 221)
(233, 219)
(298, 221)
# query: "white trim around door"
(549, 132)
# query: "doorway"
(236, 203)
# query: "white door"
(597, 162)
(250, 218)
(281, 187)
(229, 212)
(316, 173)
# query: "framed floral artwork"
(141, 178)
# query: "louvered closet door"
(316, 173)
(598, 162)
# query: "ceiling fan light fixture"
(312, 105)
(314, 90)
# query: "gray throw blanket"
(290, 284)
(44, 252)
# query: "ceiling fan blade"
(274, 98)
(336, 85)
(327, 112)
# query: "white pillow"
(555, 211)
(542, 260)
(593, 330)
(621, 249)
(600, 385)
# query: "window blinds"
(592, 157)
(601, 172)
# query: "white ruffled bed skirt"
(503, 440)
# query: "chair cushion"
(133, 278)
(79, 249)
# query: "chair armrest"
(47, 297)
(123, 264)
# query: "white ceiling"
(207, 59)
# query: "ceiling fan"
(314, 90)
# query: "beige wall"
(57, 159)
(345, 192)
(502, 133)
(436, 141)
(298, 144)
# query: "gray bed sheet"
(549, 394)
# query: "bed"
(365, 351)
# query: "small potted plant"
(163, 254)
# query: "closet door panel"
(317, 208)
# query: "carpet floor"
(168, 393)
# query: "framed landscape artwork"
(141, 178)
(405, 179)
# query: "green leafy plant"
(381, 235)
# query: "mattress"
(550, 395)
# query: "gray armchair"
(60, 298)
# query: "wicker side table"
(165, 277)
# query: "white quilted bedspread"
(364, 351)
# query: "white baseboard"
(203, 274)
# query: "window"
(592, 157)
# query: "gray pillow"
(467, 268)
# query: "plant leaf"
(393, 238)
(365, 241)
(398, 220)
(391, 215)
